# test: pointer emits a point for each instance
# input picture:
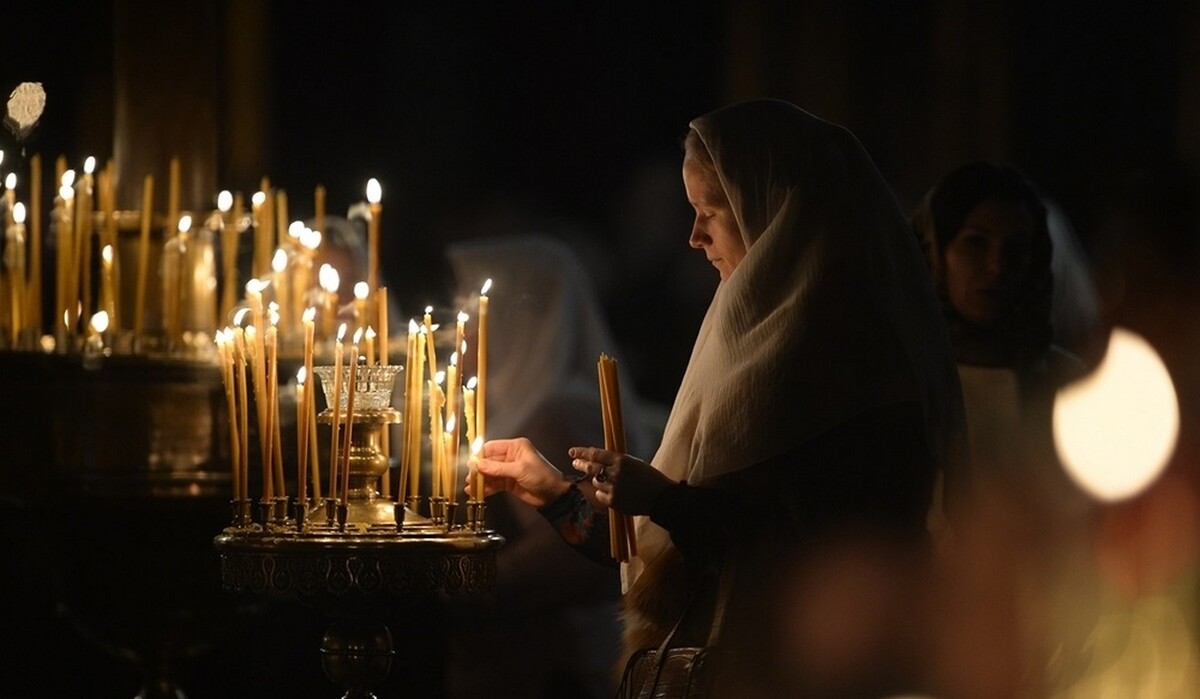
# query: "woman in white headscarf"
(820, 398)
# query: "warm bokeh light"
(329, 278)
(10, 181)
(1115, 429)
(68, 178)
(100, 321)
(374, 191)
(185, 223)
(89, 164)
(361, 291)
(258, 198)
(224, 201)
(279, 260)
(18, 213)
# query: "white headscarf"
(831, 312)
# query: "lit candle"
(239, 358)
(361, 292)
(108, 301)
(369, 337)
(351, 391)
(139, 309)
(430, 349)
(374, 194)
(82, 269)
(261, 257)
(14, 261)
(452, 387)
(408, 466)
(10, 198)
(64, 251)
(451, 468)
(301, 436)
(329, 280)
(481, 364)
(96, 328)
(306, 410)
(228, 235)
(302, 267)
(336, 407)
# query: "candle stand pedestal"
(360, 557)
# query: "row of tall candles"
(250, 355)
(282, 253)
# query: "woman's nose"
(699, 238)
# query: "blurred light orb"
(1115, 429)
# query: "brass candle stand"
(360, 554)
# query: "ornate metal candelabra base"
(353, 573)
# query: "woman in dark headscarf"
(984, 231)
(820, 398)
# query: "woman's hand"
(516, 466)
(628, 484)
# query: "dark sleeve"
(582, 526)
(871, 472)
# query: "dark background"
(564, 118)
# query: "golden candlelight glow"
(310, 314)
(10, 181)
(328, 278)
(1116, 429)
(19, 213)
(361, 291)
(66, 192)
(106, 254)
(310, 239)
(68, 178)
(374, 191)
(99, 322)
(89, 165)
(258, 198)
(224, 201)
(240, 315)
(185, 223)
(279, 261)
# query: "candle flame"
(361, 291)
(100, 321)
(295, 229)
(429, 309)
(68, 178)
(185, 223)
(106, 254)
(89, 165)
(464, 347)
(487, 286)
(19, 213)
(279, 261)
(454, 359)
(310, 239)
(310, 314)
(450, 422)
(341, 333)
(358, 336)
(370, 334)
(301, 375)
(273, 314)
(240, 315)
(439, 378)
(477, 446)
(257, 286)
(1, 156)
(463, 317)
(374, 191)
(412, 325)
(259, 198)
(472, 382)
(250, 333)
(10, 182)
(225, 201)
(67, 318)
(66, 191)
(329, 278)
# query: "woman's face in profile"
(987, 261)
(715, 230)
